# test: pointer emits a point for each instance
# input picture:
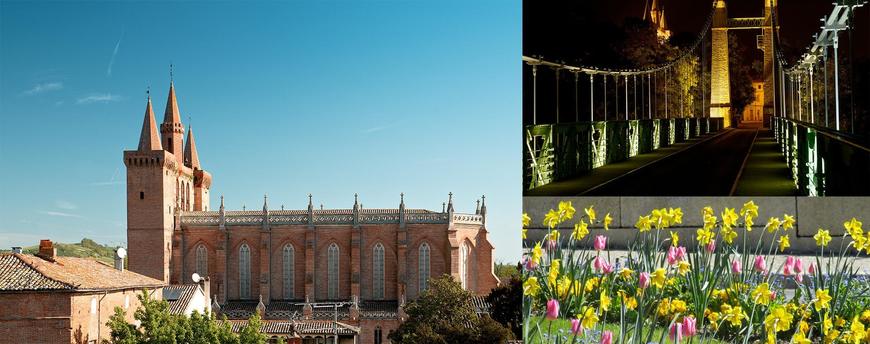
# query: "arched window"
(423, 267)
(378, 335)
(201, 260)
(289, 261)
(378, 272)
(244, 272)
(463, 265)
(332, 271)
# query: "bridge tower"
(720, 97)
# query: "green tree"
(250, 333)
(444, 314)
(506, 302)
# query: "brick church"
(302, 268)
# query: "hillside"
(87, 248)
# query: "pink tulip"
(643, 280)
(681, 253)
(812, 269)
(788, 266)
(672, 255)
(551, 244)
(799, 278)
(552, 309)
(798, 267)
(606, 268)
(711, 246)
(772, 295)
(676, 332)
(689, 327)
(530, 264)
(606, 337)
(600, 242)
(759, 264)
(576, 328)
(735, 267)
(598, 263)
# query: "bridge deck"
(722, 164)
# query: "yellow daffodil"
(564, 286)
(607, 221)
(773, 224)
(590, 212)
(526, 220)
(683, 267)
(657, 278)
(827, 324)
(822, 300)
(783, 243)
(853, 226)
(591, 284)
(734, 315)
(676, 214)
(713, 317)
(801, 338)
(678, 306)
(747, 222)
(525, 233)
(705, 236)
(778, 320)
(554, 235)
(761, 294)
(625, 273)
(709, 222)
(664, 307)
(643, 224)
(859, 241)
(857, 330)
(707, 211)
(531, 286)
(581, 229)
(604, 301)
(729, 217)
(749, 210)
(554, 271)
(675, 239)
(823, 237)
(587, 317)
(551, 219)
(628, 301)
(865, 315)
(728, 235)
(787, 221)
(537, 253)
(566, 211)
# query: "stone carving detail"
(327, 217)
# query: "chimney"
(16, 249)
(47, 250)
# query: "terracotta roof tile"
(18, 270)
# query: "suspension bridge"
(662, 130)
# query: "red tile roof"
(22, 272)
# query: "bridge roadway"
(743, 161)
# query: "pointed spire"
(172, 115)
(265, 202)
(222, 203)
(477, 208)
(356, 201)
(402, 200)
(450, 202)
(191, 158)
(483, 207)
(149, 140)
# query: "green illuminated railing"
(823, 161)
(554, 152)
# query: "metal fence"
(824, 162)
(554, 152)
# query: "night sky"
(554, 22)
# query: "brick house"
(366, 262)
(50, 299)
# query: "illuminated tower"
(720, 86)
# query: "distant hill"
(87, 248)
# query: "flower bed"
(724, 288)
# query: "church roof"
(299, 327)
(191, 158)
(171, 115)
(149, 140)
(24, 272)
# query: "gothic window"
(141, 194)
(289, 261)
(378, 335)
(423, 266)
(378, 272)
(201, 260)
(332, 271)
(244, 272)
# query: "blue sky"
(328, 98)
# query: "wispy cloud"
(44, 87)
(61, 214)
(114, 53)
(375, 129)
(98, 98)
(111, 181)
(65, 205)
